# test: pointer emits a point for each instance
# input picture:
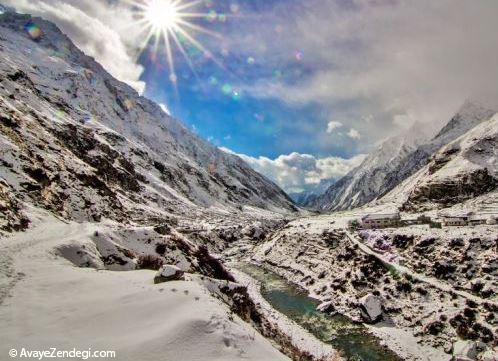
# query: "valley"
(122, 229)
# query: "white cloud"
(376, 59)
(354, 134)
(403, 121)
(332, 125)
(296, 172)
(97, 28)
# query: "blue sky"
(305, 88)
(215, 103)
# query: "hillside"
(395, 160)
(86, 146)
(462, 170)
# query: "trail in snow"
(58, 305)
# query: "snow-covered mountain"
(309, 195)
(464, 169)
(395, 160)
(76, 141)
(368, 180)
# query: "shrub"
(161, 249)
(149, 261)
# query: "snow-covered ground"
(52, 303)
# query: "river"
(352, 339)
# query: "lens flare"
(33, 31)
(172, 22)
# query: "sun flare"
(172, 24)
(162, 14)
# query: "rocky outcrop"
(447, 192)
(465, 350)
(371, 308)
(169, 273)
(12, 218)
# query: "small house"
(371, 221)
(477, 220)
(454, 220)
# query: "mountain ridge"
(380, 172)
(71, 134)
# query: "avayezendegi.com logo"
(53, 352)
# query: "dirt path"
(419, 277)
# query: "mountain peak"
(470, 114)
(396, 159)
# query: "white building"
(454, 220)
(380, 220)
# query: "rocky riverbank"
(423, 317)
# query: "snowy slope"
(395, 160)
(86, 146)
(462, 170)
(58, 305)
(371, 177)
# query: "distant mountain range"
(82, 144)
(394, 161)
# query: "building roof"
(376, 216)
(455, 216)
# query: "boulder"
(465, 350)
(371, 308)
(489, 355)
(254, 231)
(492, 221)
(169, 273)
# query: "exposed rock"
(327, 307)
(169, 273)
(371, 308)
(491, 221)
(444, 269)
(163, 229)
(435, 327)
(254, 231)
(455, 190)
(489, 355)
(465, 350)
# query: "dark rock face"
(402, 241)
(444, 269)
(12, 219)
(435, 327)
(468, 329)
(450, 192)
(163, 229)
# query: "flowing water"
(350, 338)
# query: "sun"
(172, 23)
(162, 14)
